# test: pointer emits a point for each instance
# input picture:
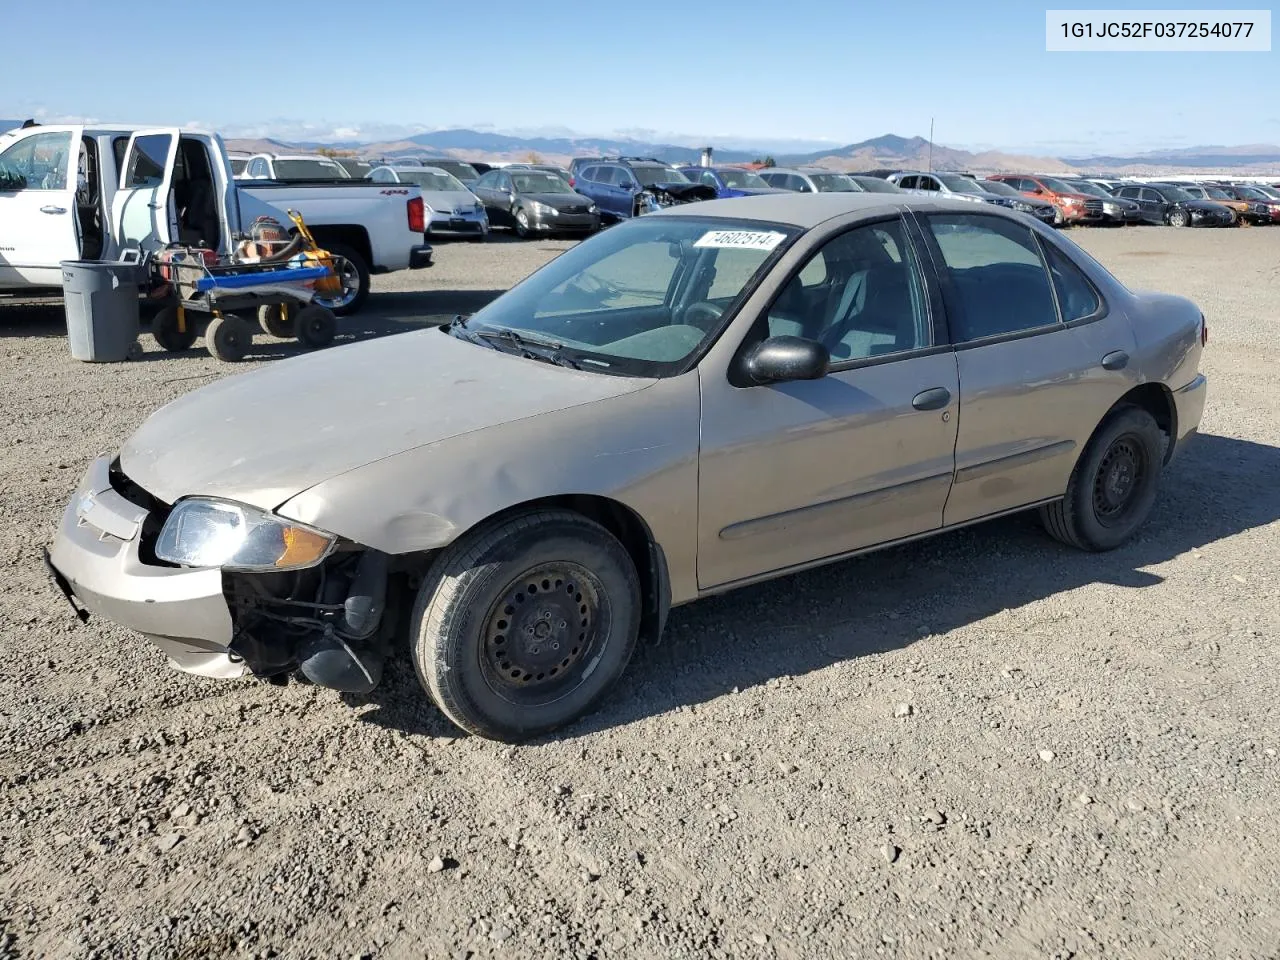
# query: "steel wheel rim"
(1120, 475)
(350, 278)
(543, 635)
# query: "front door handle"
(1115, 360)
(154, 205)
(934, 398)
(52, 209)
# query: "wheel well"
(1156, 399)
(357, 238)
(634, 535)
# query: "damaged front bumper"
(324, 620)
(97, 555)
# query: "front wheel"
(1114, 485)
(1179, 218)
(173, 335)
(523, 229)
(277, 319)
(524, 625)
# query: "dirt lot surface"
(982, 745)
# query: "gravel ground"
(982, 745)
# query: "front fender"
(639, 449)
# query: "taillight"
(417, 216)
(573, 181)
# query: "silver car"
(451, 209)
(696, 400)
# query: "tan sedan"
(693, 401)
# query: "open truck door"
(143, 206)
(38, 223)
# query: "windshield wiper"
(531, 346)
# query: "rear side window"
(147, 162)
(998, 282)
(1077, 298)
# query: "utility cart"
(277, 276)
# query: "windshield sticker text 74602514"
(741, 239)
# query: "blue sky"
(728, 73)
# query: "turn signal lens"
(302, 547)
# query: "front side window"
(147, 160)
(998, 281)
(860, 295)
(37, 162)
(638, 299)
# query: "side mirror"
(1038, 190)
(779, 359)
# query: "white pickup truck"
(72, 192)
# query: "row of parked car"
(467, 199)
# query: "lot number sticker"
(741, 239)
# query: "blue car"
(730, 181)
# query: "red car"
(1074, 206)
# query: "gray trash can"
(101, 298)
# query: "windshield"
(876, 185)
(309, 170)
(638, 299)
(1058, 186)
(1083, 186)
(650, 175)
(461, 170)
(997, 187)
(833, 183)
(1174, 193)
(1215, 193)
(958, 184)
(1271, 193)
(238, 165)
(1251, 194)
(742, 179)
(540, 183)
(429, 180)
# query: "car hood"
(561, 201)
(263, 437)
(443, 201)
(1204, 206)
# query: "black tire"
(356, 281)
(273, 324)
(520, 219)
(1113, 486)
(164, 327)
(227, 338)
(315, 326)
(568, 653)
(1179, 218)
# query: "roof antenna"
(930, 170)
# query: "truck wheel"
(522, 626)
(315, 326)
(164, 327)
(227, 338)
(354, 273)
(277, 319)
(1113, 486)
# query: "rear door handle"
(52, 209)
(934, 398)
(1115, 360)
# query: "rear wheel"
(315, 326)
(277, 319)
(523, 626)
(227, 338)
(164, 326)
(1114, 484)
(353, 272)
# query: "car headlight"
(1111, 207)
(1022, 207)
(593, 209)
(544, 209)
(205, 532)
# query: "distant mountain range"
(889, 151)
